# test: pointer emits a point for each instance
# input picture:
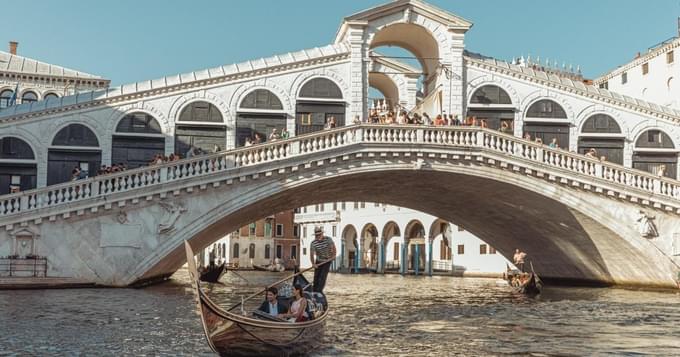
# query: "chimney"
(13, 47)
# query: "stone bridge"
(578, 219)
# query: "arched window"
(546, 108)
(490, 94)
(5, 97)
(16, 176)
(75, 135)
(261, 99)
(321, 88)
(29, 97)
(235, 255)
(50, 96)
(267, 251)
(137, 140)
(251, 251)
(15, 148)
(138, 123)
(601, 123)
(224, 250)
(201, 112)
(75, 155)
(654, 139)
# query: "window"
(305, 118)
(335, 206)
(624, 78)
(444, 251)
(138, 123)
(267, 253)
(279, 230)
(461, 249)
(75, 135)
(343, 206)
(293, 252)
(304, 251)
(261, 99)
(5, 97)
(482, 249)
(279, 251)
(224, 250)
(645, 68)
(29, 97)
(321, 88)
(322, 207)
(251, 229)
(669, 57)
(304, 209)
(15, 148)
(490, 95)
(50, 96)
(304, 231)
(335, 230)
(356, 205)
(363, 204)
(267, 229)
(601, 123)
(492, 250)
(235, 250)
(296, 231)
(604, 85)
(546, 108)
(396, 251)
(251, 251)
(201, 112)
(377, 204)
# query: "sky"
(134, 40)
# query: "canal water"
(372, 315)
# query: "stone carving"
(174, 210)
(122, 217)
(646, 226)
(420, 164)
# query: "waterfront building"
(32, 81)
(653, 75)
(259, 243)
(379, 237)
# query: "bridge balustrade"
(448, 136)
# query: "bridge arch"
(260, 112)
(655, 152)
(386, 86)
(74, 144)
(391, 240)
(602, 133)
(200, 125)
(136, 140)
(319, 100)
(369, 247)
(18, 165)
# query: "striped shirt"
(323, 248)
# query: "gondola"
(236, 334)
(212, 273)
(271, 268)
(525, 283)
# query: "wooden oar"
(277, 283)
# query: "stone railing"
(449, 136)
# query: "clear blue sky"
(133, 40)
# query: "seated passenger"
(298, 308)
(272, 306)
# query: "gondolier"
(322, 250)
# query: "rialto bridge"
(579, 218)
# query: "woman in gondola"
(298, 309)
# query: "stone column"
(358, 82)
(453, 87)
(381, 258)
(429, 256)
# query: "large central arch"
(560, 230)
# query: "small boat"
(212, 273)
(274, 267)
(524, 283)
(236, 334)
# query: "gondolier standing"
(322, 250)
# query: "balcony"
(317, 217)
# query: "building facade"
(384, 238)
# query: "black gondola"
(212, 273)
(525, 283)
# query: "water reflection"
(371, 315)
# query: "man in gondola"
(271, 305)
(519, 259)
(322, 251)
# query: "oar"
(278, 282)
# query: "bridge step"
(42, 283)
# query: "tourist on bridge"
(322, 250)
(272, 306)
(519, 259)
(553, 144)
